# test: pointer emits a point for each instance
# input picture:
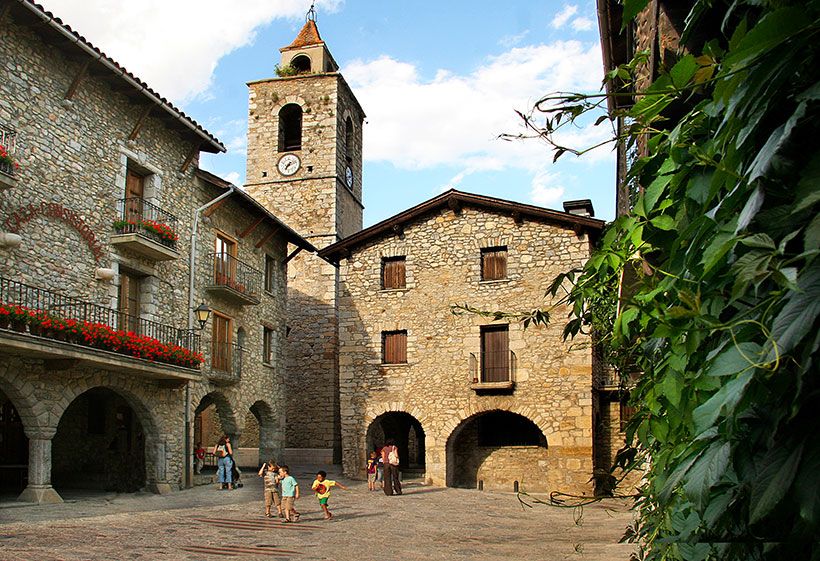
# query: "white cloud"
(582, 24)
(233, 177)
(456, 119)
(174, 46)
(512, 40)
(547, 188)
(562, 17)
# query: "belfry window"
(301, 63)
(290, 128)
(349, 139)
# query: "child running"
(322, 487)
(372, 466)
(270, 471)
(290, 492)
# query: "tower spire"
(311, 13)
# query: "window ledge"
(497, 281)
(269, 293)
(269, 365)
(493, 386)
(393, 290)
(394, 364)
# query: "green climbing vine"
(723, 319)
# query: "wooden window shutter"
(394, 347)
(494, 263)
(495, 354)
(394, 273)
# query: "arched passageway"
(497, 450)
(99, 445)
(408, 433)
(213, 417)
(13, 450)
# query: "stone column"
(39, 488)
(159, 482)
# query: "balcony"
(226, 363)
(66, 332)
(145, 229)
(495, 372)
(8, 161)
(234, 280)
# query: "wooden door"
(221, 343)
(128, 302)
(134, 191)
(495, 354)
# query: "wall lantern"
(203, 314)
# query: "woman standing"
(224, 462)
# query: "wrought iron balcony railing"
(137, 216)
(8, 142)
(226, 361)
(45, 313)
(235, 278)
(493, 367)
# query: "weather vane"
(311, 13)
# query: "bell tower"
(305, 166)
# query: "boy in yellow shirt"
(321, 486)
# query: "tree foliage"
(724, 318)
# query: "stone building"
(470, 401)
(111, 236)
(305, 164)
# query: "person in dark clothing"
(390, 457)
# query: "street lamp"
(203, 313)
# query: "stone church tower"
(305, 165)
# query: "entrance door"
(221, 344)
(134, 192)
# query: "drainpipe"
(191, 271)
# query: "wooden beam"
(212, 209)
(293, 254)
(78, 79)
(187, 163)
(517, 218)
(454, 205)
(140, 122)
(398, 229)
(266, 237)
(251, 227)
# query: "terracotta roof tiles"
(308, 36)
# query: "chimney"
(582, 207)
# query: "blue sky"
(439, 82)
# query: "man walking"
(390, 458)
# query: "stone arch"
(157, 450)
(267, 428)
(228, 416)
(302, 63)
(475, 409)
(466, 460)
(373, 412)
(34, 414)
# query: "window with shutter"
(394, 273)
(128, 302)
(495, 353)
(493, 263)
(394, 347)
(270, 272)
(267, 345)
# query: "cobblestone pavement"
(208, 524)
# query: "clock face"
(349, 177)
(289, 164)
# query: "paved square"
(206, 523)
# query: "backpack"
(393, 457)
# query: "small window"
(267, 345)
(290, 128)
(349, 139)
(494, 263)
(394, 347)
(393, 273)
(270, 273)
(626, 413)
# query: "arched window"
(290, 128)
(349, 139)
(301, 63)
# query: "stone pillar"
(39, 488)
(158, 483)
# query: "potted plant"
(7, 164)
(5, 317)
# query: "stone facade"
(552, 380)
(74, 156)
(317, 202)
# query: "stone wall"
(553, 380)
(75, 154)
